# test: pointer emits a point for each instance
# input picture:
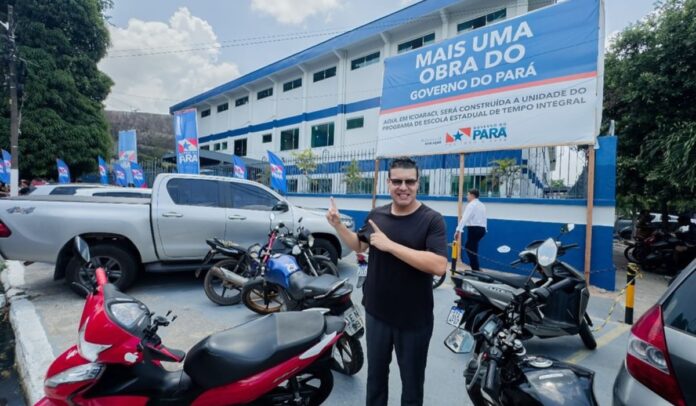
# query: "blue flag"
(120, 173)
(63, 171)
(239, 167)
(7, 161)
(4, 175)
(186, 134)
(138, 175)
(127, 146)
(103, 171)
(278, 181)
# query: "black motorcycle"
(503, 374)
(482, 294)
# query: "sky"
(165, 51)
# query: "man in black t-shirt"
(407, 247)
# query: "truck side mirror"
(281, 206)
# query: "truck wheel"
(121, 268)
(325, 248)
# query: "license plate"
(455, 316)
(362, 270)
(354, 321)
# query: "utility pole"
(14, 116)
(14, 119)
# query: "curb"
(33, 350)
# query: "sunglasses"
(399, 182)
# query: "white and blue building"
(327, 98)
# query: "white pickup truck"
(164, 233)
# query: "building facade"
(327, 99)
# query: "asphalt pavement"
(57, 311)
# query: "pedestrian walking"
(476, 223)
(408, 246)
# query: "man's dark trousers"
(474, 234)
(411, 346)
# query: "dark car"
(660, 364)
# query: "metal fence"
(548, 172)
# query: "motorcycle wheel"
(314, 386)
(587, 336)
(628, 253)
(324, 265)
(255, 295)
(347, 355)
(439, 280)
(220, 291)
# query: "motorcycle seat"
(517, 281)
(315, 286)
(246, 350)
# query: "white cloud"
(164, 76)
(296, 11)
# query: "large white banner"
(532, 80)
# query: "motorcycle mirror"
(460, 341)
(82, 249)
(504, 249)
(300, 220)
(547, 253)
(566, 228)
(296, 250)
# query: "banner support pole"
(590, 209)
(374, 184)
(460, 199)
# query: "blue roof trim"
(340, 41)
(284, 122)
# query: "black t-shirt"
(395, 292)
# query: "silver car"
(660, 364)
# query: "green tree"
(61, 42)
(503, 173)
(306, 162)
(650, 88)
(351, 176)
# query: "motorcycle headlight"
(87, 350)
(310, 241)
(79, 373)
(547, 253)
(127, 314)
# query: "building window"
(222, 107)
(205, 147)
(290, 139)
(324, 74)
(323, 135)
(356, 122)
(292, 185)
(264, 93)
(216, 146)
(320, 185)
(364, 61)
(416, 43)
(240, 147)
(481, 21)
(241, 101)
(267, 138)
(293, 84)
(223, 146)
(361, 186)
(483, 183)
(205, 113)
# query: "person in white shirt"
(474, 219)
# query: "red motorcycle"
(279, 359)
